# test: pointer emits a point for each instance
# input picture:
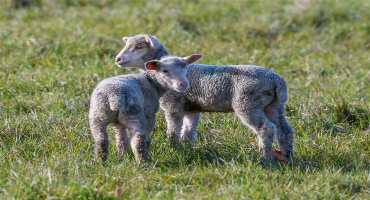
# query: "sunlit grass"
(53, 54)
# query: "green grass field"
(54, 53)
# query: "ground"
(54, 53)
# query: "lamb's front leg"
(174, 124)
(189, 128)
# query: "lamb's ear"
(152, 41)
(125, 39)
(192, 58)
(152, 65)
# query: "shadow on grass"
(233, 153)
(213, 154)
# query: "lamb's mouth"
(121, 63)
(181, 89)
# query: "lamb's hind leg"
(99, 133)
(138, 140)
(189, 128)
(285, 134)
(255, 119)
(122, 140)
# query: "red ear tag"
(152, 66)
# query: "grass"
(53, 54)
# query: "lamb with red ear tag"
(131, 102)
(171, 71)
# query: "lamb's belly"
(217, 108)
(206, 105)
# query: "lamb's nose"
(184, 85)
(118, 59)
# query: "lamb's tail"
(116, 103)
(120, 103)
(281, 91)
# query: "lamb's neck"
(162, 52)
(159, 88)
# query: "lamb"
(257, 96)
(131, 102)
(139, 50)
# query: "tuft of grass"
(54, 53)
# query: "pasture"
(54, 53)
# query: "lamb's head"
(171, 71)
(140, 49)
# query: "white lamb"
(131, 102)
(257, 96)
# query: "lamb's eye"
(165, 71)
(139, 47)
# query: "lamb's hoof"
(278, 155)
(289, 159)
(101, 157)
(186, 145)
(142, 162)
(174, 142)
(272, 158)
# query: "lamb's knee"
(266, 134)
(174, 121)
(174, 126)
(287, 129)
(189, 137)
(285, 135)
(139, 147)
(101, 140)
(188, 134)
(122, 146)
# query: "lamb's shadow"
(214, 154)
(229, 151)
(238, 153)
